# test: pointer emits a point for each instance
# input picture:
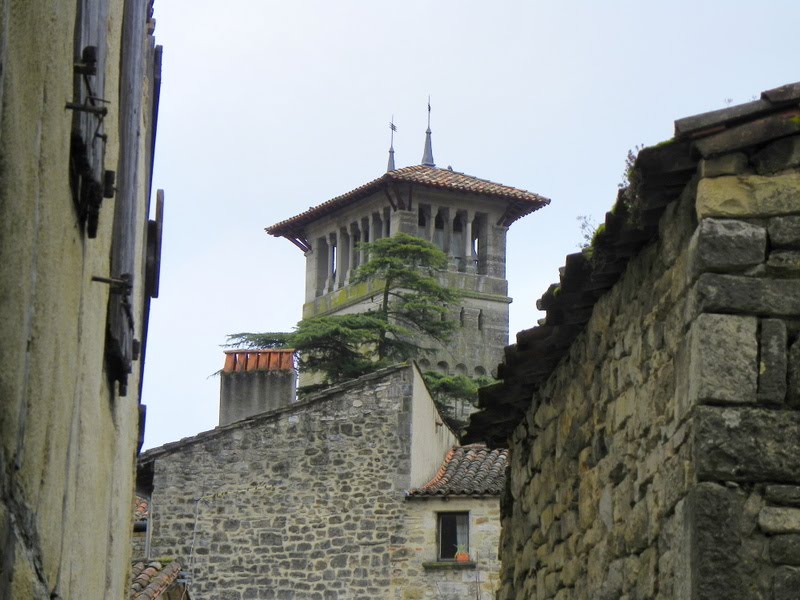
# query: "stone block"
(793, 367)
(778, 519)
(714, 516)
(722, 245)
(746, 444)
(788, 495)
(748, 196)
(738, 294)
(779, 155)
(785, 583)
(727, 164)
(784, 232)
(785, 549)
(784, 263)
(772, 362)
(723, 359)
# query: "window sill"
(448, 565)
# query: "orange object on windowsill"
(461, 554)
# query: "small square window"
(453, 534)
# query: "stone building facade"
(464, 216)
(653, 417)
(311, 500)
(78, 266)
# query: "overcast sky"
(268, 108)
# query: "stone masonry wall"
(416, 573)
(660, 459)
(306, 502)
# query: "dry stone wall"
(661, 458)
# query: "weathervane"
(393, 128)
(427, 154)
(429, 113)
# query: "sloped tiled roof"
(664, 171)
(471, 470)
(149, 580)
(141, 508)
(520, 202)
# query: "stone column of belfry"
(430, 223)
(468, 259)
(448, 232)
(333, 253)
(365, 238)
(343, 257)
(377, 226)
(355, 237)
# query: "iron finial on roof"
(393, 128)
(427, 154)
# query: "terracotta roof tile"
(141, 508)
(520, 204)
(151, 579)
(471, 470)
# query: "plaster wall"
(245, 394)
(68, 440)
(432, 439)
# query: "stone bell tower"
(465, 216)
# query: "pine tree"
(409, 311)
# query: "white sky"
(268, 108)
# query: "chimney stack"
(255, 382)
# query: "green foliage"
(452, 392)
(630, 188)
(588, 227)
(410, 307)
(412, 298)
(272, 339)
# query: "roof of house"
(520, 202)
(662, 171)
(473, 470)
(152, 578)
(141, 508)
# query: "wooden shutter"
(90, 182)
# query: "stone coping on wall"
(659, 177)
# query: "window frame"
(440, 517)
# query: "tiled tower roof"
(520, 202)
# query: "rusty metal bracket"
(87, 65)
(119, 285)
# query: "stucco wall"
(67, 438)
(431, 438)
(659, 460)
